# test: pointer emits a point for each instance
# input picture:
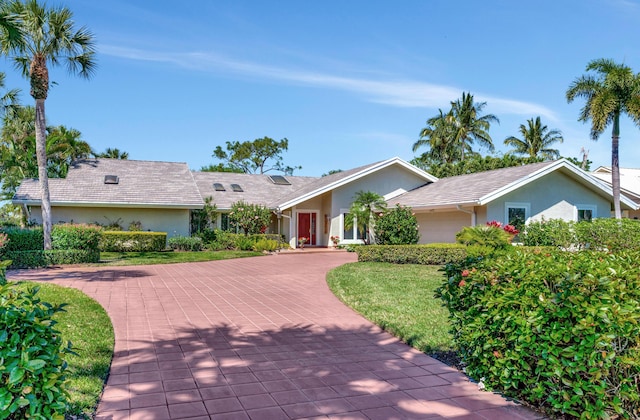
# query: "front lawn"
(400, 299)
(87, 325)
(169, 257)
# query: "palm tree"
(48, 38)
(17, 149)
(64, 146)
(614, 90)
(469, 125)
(438, 135)
(114, 153)
(10, 31)
(363, 211)
(536, 140)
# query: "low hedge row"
(431, 254)
(23, 239)
(119, 241)
(557, 329)
(41, 258)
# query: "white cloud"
(398, 93)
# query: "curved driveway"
(261, 338)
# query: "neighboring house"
(629, 185)
(517, 195)
(161, 196)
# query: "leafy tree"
(332, 171)
(17, 150)
(48, 37)
(536, 140)
(474, 163)
(221, 167)
(114, 153)
(251, 218)
(580, 162)
(364, 211)
(201, 219)
(612, 91)
(252, 156)
(397, 226)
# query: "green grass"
(400, 299)
(87, 325)
(169, 257)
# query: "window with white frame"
(585, 212)
(516, 214)
(350, 233)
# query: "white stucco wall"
(554, 196)
(173, 221)
(441, 227)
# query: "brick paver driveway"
(261, 338)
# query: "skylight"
(279, 180)
(218, 187)
(111, 179)
(236, 188)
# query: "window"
(224, 221)
(236, 188)
(516, 214)
(279, 180)
(218, 186)
(585, 212)
(352, 232)
(111, 179)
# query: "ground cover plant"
(400, 299)
(558, 329)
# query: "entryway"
(307, 223)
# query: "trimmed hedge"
(557, 329)
(119, 241)
(32, 368)
(75, 236)
(430, 254)
(41, 258)
(24, 239)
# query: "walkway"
(261, 338)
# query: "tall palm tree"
(10, 31)
(49, 37)
(536, 140)
(469, 125)
(363, 211)
(612, 91)
(438, 136)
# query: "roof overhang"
(353, 177)
(568, 169)
(111, 204)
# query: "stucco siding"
(441, 226)
(554, 196)
(173, 221)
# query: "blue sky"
(347, 82)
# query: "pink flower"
(462, 283)
(465, 273)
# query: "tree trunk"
(615, 167)
(41, 155)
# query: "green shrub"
(265, 245)
(244, 243)
(250, 218)
(553, 232)
(554, 328)
(41, 258)
(431, 254)
(221, 240)
(24, 239)
(118, 241)
(185, 243)
(135, 226)
(32, 369)
(397, 226)
(489, 236)
(73, 236)
(610, 234)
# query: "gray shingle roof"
(466, 188)
(141, 183)
(258, 189)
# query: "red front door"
(307, 227)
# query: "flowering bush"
(302, 240)
(510, 229)
(251, 218)
(335, 240)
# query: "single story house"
(161, 196)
